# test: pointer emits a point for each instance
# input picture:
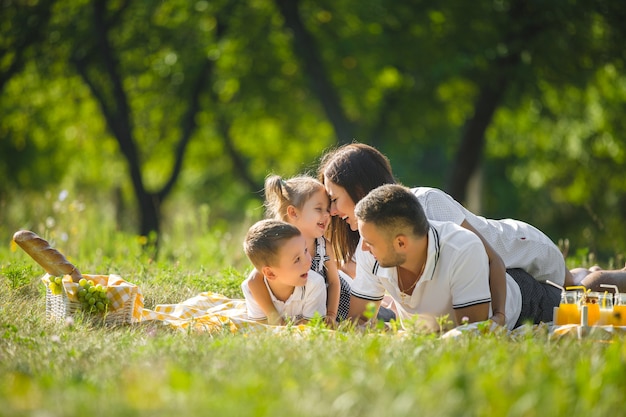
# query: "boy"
(278, 251)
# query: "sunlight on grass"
(77, 368)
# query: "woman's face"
(341, 203)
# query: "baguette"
(52, 261)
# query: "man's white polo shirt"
(456, 275)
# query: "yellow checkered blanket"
(206, 312)
(213, 312)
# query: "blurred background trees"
(146, 109)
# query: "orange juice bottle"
(568, 314)
(605, 303)
(594, 313)
(569, 310)
(593, 308)
(619, 315)
(606, 317)
(619, 310)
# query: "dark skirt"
(538, 298)
(344, 299)
(384, 314)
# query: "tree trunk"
(109, 91)
(470, 150)
(523, 27)
(99, 69)
(305, 48)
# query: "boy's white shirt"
(303, 303)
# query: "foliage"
(230, 78)
(534, 147)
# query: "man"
(433, 269)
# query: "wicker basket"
(125, 299)
(60, 307)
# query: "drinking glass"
(569, 312)
(605, 304)
(619, 309)
(593, 308)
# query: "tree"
(204, 99)
(24, 27)
(98, 64)
(305, 48)
(152, 86)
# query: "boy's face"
(294, 263)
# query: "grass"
(148, 369)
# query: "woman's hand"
(499, 318)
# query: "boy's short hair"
(265, 238)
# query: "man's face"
(294, 262)
(380, 245)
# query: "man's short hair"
(265, 238)
(393, 207)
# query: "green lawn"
(56, 369)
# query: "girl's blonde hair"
(281, 193)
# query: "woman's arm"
(349, 268)
(478, 312)
(261, 295)
(497, 279)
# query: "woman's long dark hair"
(358, 168)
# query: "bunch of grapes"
(56, 285)
(92, 297)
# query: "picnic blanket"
(554, 332)
(213, 312)
(207, 312)
(593, 332)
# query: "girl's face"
(341, 203)
(314, 217)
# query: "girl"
(303, 202)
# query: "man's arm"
(366, 285)
(442, 207)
